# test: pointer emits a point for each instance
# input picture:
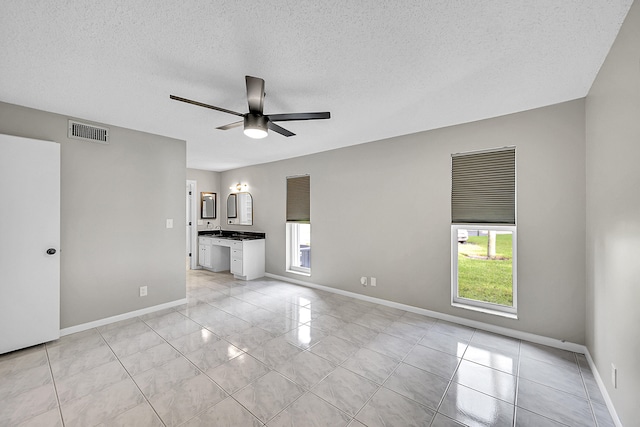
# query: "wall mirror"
(208, 205)
(240, 209)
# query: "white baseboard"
(119, 317)
(526, 336)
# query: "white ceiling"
(383, 68)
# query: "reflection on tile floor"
(266, 352)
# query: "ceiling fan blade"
(255, 94)
(231, 125)
(282, 131)
(200, 104)
(298, 116)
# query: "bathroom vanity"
(241, 253)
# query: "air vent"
(87, 132)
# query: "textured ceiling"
(383, 68)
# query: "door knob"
(51, 251)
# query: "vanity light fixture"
(239, 187)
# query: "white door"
(29, 242)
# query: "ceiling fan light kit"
(255, 126)
(255, 123)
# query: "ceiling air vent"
(87, 132)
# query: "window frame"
(293, 247)
(483, 306)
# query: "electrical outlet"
(143, 291)
(614, 376)
(373, 281)
(363, 281)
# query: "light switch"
(170, 223)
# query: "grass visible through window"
(483, 279)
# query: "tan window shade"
(483, 187)
(298, 209)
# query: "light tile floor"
(269, 352)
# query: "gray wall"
(114, 202)
(382, 209)
(210, 182)
(613, 218)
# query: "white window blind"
(298, 206)
(483, 187)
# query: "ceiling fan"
(255, 122)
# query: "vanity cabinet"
(245, 259)
(204, 252)
(248, 259)
(236, 260)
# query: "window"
(299, 243)
(298, 231)
(483, 231)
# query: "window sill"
(300, 273)
(485, 310)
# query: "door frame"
(192, 186)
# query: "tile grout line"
(446, 389)
(444, 395)
(516, 391)
(586, 392)
(55, 388)
(132, 380)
